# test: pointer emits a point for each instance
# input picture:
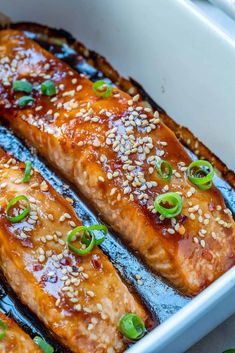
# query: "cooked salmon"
(108, 146)
(80, 298)
(16, 340)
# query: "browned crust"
(131, 87)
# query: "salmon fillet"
(16, 340)
(108, 147)
(80, 298)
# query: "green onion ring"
(22, 215)
(205, 186)
(163, 175)
(80, 251)
(97, 85)
(232, 350)
(28, 166)
(4, 329)
(48, 88)
(132, 326)
(45, 347)
(172, 198)
(202, 182)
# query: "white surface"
(221, 339)
(187, 64)
(217, 16)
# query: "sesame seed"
(171, 231)
(96, 143)
(61, 242)
(227, 211)
(112, 192)
(72, 224)
(90, 293)
(213, 234)
(49, 237)
(156, 114)
(57, 303)
(137, 276)
(100, 178)
(77, 307)
(41, 258)
(18, 181)
(78, 88)
(203, 243)
(44, 186)
(87, 310)
(69, 200)
(192, 216)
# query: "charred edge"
(132, 87)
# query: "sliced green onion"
(75, 249)
(206, 186)
(45, 347)
(48, 88)
(97, 87)
(171, 198)
(167, 173)
(132, 326)
(25, 100)
(202, 182)
(198, 174)
(24, 212)
(28, 166)
(22, 86)
(4, 329)
(230, 351)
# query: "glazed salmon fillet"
(108, 147)
(16, 340)
(78, 297)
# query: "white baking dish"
(186, 64)
(227, 6)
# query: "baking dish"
(223, 287)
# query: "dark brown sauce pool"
(161, 299)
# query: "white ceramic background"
(184, 62)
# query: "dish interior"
(161, 299)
